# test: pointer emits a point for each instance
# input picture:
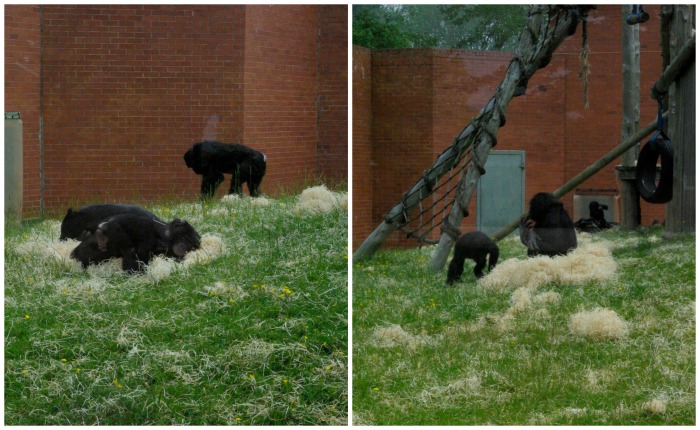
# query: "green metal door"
(501, 192)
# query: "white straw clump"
(260, 201)
(587, 263)
(600, 323)
(59, 251)
(159, 268)
(211, 247)
(320, 200)
(655, 406)
(230, 198)
(395, 335)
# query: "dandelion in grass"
(26, 316)
(25, 371)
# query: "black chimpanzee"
(597, 221)
(81, 223)
(213, 159)
(547, 228)
(136, 240)
(476, 246)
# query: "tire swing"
(658, 147)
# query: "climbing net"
(434, 207)
(435, 194)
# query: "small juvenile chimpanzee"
(547, 228)
(136, 240)
(476, 246)
(213, 159)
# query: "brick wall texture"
(127, 89)
(422, 98)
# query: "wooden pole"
(679, 77)
(537, 44)
(631, 210)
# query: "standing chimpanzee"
(81, 223)
(213, 159)
(136, 240)
(476, 246)
(547, 228)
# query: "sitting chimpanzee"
(547, 228)
(81, 223)
(213, 159)
(136, 240)
(476, 246)
(597, 220)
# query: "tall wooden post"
(631, 211)
(680, 211)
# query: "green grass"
(454, 362)
(257, 336)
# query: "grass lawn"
(257, 335)
(428, 354)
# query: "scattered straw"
(589, 263)
(211, 247)
(320, 200)
(655, 406)
(600, 323)
(394, 335)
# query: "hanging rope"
(585, 68)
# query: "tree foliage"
(464, 26)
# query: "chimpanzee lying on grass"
(475, 246)
(81, 223)
(213, 159)
(136, 239)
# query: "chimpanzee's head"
(72, 226)
(182, 238)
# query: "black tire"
(661, 147)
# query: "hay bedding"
(590, 262)
(212, 246)
(321, 200)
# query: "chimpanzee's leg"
(210, 182)
(237, 179)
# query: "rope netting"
(435, 206)
(430, 202)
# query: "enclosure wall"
(127, 89)
(362, 170)
(333, 94)
(427, 96)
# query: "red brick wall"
(362, 170)
(22, 90)
(402, 127)
(280, 90)
(333, 94)
(559, 136)
(128, 88)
